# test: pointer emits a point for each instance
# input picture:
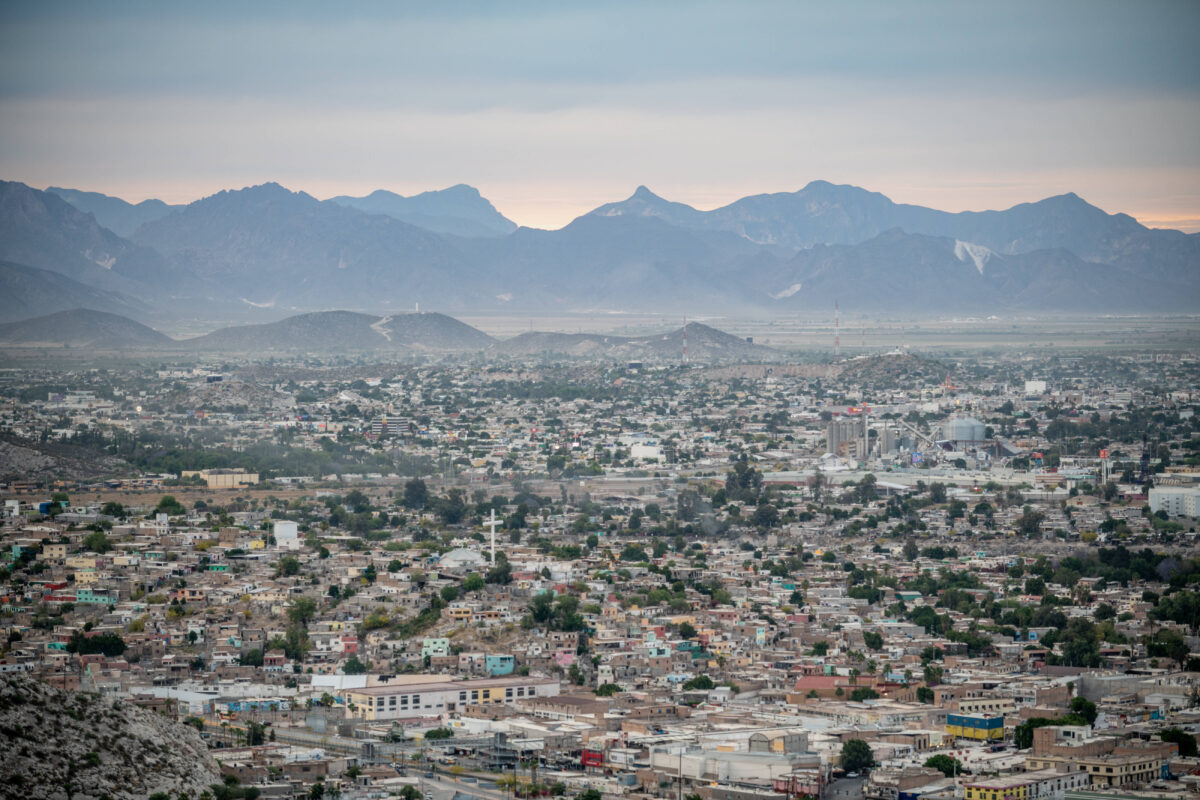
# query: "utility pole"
(681, 773)
(492, 524)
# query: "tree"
(97, 542)
(911, 551)
(819, 649)
(169, 505)
(252, 658)
(857, 756)
(863, 693)
(354, 667)
(1080, 644)
(288, 565)
(947, 765)
(873, 640)
(687, 630)
(765, 516)
(1030, 522)
(440, 733)
(924, 694)
(473, 582)
(1084, 708)
(937, 492)
(1167, 643)
(1185, 740)
(301, 611)
(416, 494)
(700, 682)
(110, 644)
(255, 734)
(112, 509)
(607, 689)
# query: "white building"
(1177, 501)
(287, 534)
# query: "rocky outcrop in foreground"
(77, 746)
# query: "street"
(846, 789)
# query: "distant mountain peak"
(643, 192)
(459, 210)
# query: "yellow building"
(424, 698)
(222, 478)
(977, 727)
(1036, 785)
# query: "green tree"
(1080, 644)
(416, 494)
(354, 667)
(873, 640)
(255, 734)
(1084, 708)
(911, 551)
(687, 630)
(169, 505)
(1185, 740)
(857, 756)
(699, 683)
(97, 542)
(110, 644)
(947, 765)
(302, 610)
(607, 689)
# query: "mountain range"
(266, 251)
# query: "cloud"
(553, 108)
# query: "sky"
(553, 108)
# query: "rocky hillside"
(704, 344)
(83, 327)
(58, 745)
(25, 459)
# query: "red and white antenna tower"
(837, 330)
(685, 340)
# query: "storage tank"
(964, 429)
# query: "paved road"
(443, 786)
(846, 789)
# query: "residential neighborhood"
(886, 577)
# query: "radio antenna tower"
(685, 340)
(837, 331)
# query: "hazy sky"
(553, 108)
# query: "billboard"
(916, 458)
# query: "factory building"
(847, 437)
